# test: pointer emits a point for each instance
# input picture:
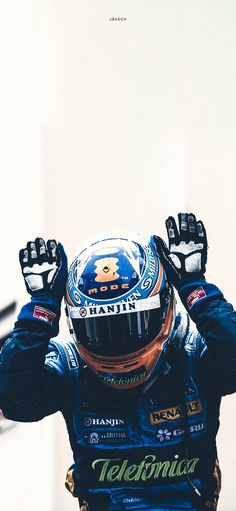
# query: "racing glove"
(185, 260)
(44, 268)
(187, 255)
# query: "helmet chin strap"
(161, 366)
(148, 384)
(176, 336)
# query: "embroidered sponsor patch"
(71, 357)
(165, 435)
(106, 437)
(104, 421)
(112, 468)
(196, 295)
(132, 500)
(170, 414)
(152, 469)
(44, 314)
(51, 357)
(137, 375)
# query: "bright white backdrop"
(108, 125)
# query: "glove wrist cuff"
(44, 311)
(189, 282)
(47, 297)
(196, 293)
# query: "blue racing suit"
(146, 448)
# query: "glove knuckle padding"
(52, 275)
(176, 260)
(35, 282)
(193, 263)
(42, 266)
(187, 254)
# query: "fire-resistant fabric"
(129, 447)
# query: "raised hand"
(185, 260)
(44, 267)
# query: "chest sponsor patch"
(104, 421)
(150, 469)
(166, 436)
(106, 437)
(176, 412)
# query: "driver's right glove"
(44, 268)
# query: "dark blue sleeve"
(215, 319)
(34, 372)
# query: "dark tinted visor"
(119, 334)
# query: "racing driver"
(140, 390)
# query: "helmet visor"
(118, 333)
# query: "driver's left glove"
(185, 259)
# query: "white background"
(110, 125)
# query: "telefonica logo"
(112, 470)
(134, 376)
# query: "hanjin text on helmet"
(100, 310)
